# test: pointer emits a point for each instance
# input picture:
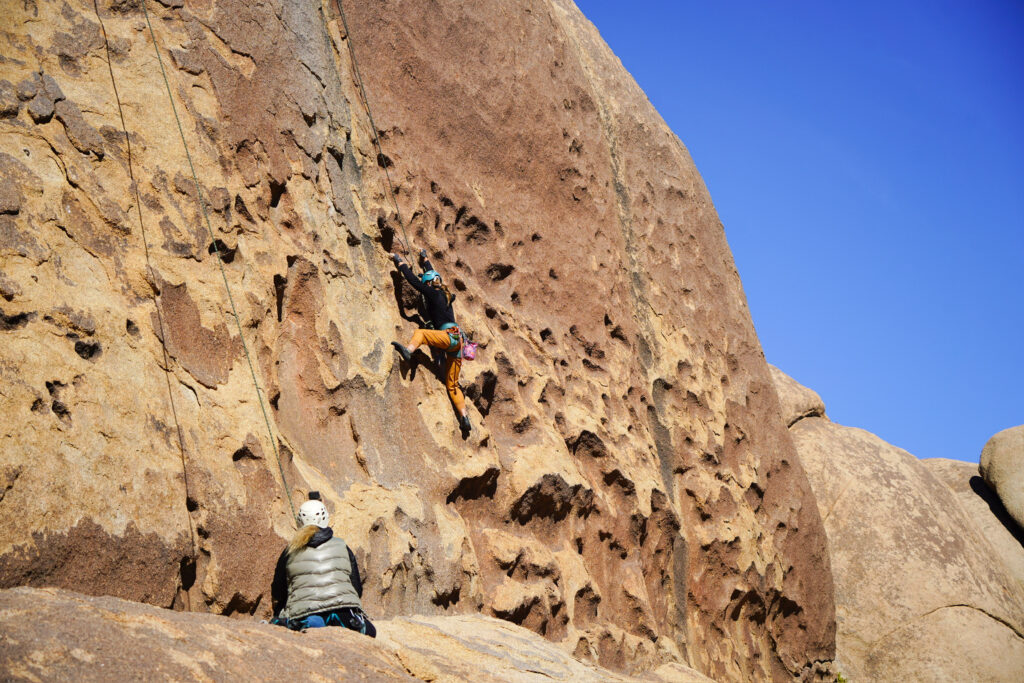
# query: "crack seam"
(810, 413)
(988, 614)
(835, 502)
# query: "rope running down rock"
(159, 314)
(220, 263)
(373, 125)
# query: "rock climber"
(317, 579)
(446, 338)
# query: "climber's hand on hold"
(397, 259)
(423, 254)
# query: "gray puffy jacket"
(320, 577)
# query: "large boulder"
(50, 634)
(629, 490)
(921, 594)
(1002, 467)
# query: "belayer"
(446, 338)
(317, 581)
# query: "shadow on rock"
(979, 486)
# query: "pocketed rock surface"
(927, 574)
(628, 491)
(51, 634)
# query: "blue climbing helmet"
(429, 275)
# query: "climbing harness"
(458, 342)
(159, 314)
(454, 336)
(220, 262)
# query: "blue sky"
(867, 161)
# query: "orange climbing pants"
(439, 339)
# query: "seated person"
(317, 582)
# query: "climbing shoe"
(402, 351)
(464, 423)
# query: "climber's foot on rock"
(402, 351)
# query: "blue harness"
(454, 338)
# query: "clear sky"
(867, 161)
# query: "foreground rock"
(921, 593)
(50, 634)
(629, 491)
(1002, 468)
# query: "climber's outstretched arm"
(424, 261)
(410, 277)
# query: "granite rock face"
(1002, 467)
(985, 509)
(628, 491)
(74, 637)
(927, 586)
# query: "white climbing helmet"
(313, 512)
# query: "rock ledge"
(52, 634)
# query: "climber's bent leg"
(435, 338)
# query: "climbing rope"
(373, 125)
(159, 314)
(220, 263)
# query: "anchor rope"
(373, 126)
(220, 262)
(159, 313)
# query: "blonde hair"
(302, 538)
(447, 293)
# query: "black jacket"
(439, 310)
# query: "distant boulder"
(1002, 468)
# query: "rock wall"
(929, 576)
(628, 491)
